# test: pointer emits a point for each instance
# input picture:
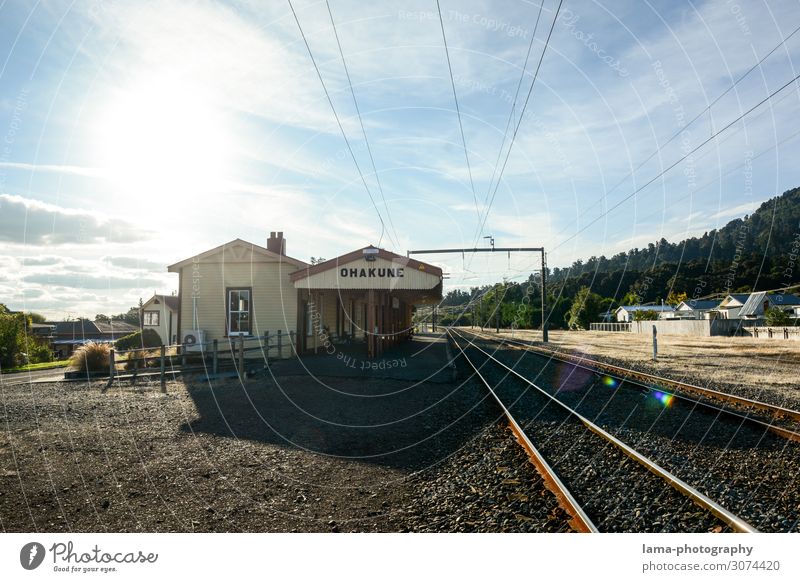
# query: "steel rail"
(737, 523)
(645, 379)
(579, 520)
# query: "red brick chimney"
(276, 243)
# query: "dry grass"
(91, 357)
(765, 369)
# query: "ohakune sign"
(372, 272)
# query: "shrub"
(149, 338)
(91, 357)
(136, 360)
(776, 317)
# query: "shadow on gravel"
(406, 417)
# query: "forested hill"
(750, 253)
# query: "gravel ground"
(616, 492)
(270, 456)
(750, 471)
(763, 370)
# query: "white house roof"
(757, 299)
(631, 308)
(697, 304)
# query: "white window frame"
(151, 313)
(229, 312)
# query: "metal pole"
(544, 298)
(655, 344)
(163, 369)
(497, 310)
(112, 366)
(241, 357)
(215, 357)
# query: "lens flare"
(610, 382)
(665, 399)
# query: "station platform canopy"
(369, 293)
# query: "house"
(68, 335)
(160, 313)
(759, 303)
(730, 306)
(694, 309)
(243, 289)
(625, 313)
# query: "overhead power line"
(678, 161)
(338, 122)
(682, 129)
(521, 117)
(363, 130)
(513, 106)
(458, 110)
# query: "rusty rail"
(734, 521)
(647, 380)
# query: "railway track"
(781, 421)
(603, 483)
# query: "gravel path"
(256, 459)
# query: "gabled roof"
(264, 252)
(756, 300)
(698, 304)
(119, 328)
(738, 297)
(172, 302)
(631, 308)
(359, 255)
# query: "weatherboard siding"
(204, 285)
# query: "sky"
(134, 135)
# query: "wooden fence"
(207, 357)
(617, 326)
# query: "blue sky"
(136, 134)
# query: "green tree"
(585, 309)
(777, 317)
(645, 315)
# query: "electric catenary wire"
(519, 121)
(513, 108)
(684, 128)
(678, 161)
(458, 110)
(363, 130)
(338, 122)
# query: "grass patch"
(40, 366)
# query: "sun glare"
(162, 138)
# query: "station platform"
(424, 358)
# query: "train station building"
(365, 297)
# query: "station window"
(239, 312)
(151, 318)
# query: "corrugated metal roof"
(752, 304)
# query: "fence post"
(215, 357)
(112, 367)
(655, 344)
(292, 340)
(135, 371)
(266, 347)
(280, 345)
(241, 357)
(163, 369)
(183, 355)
